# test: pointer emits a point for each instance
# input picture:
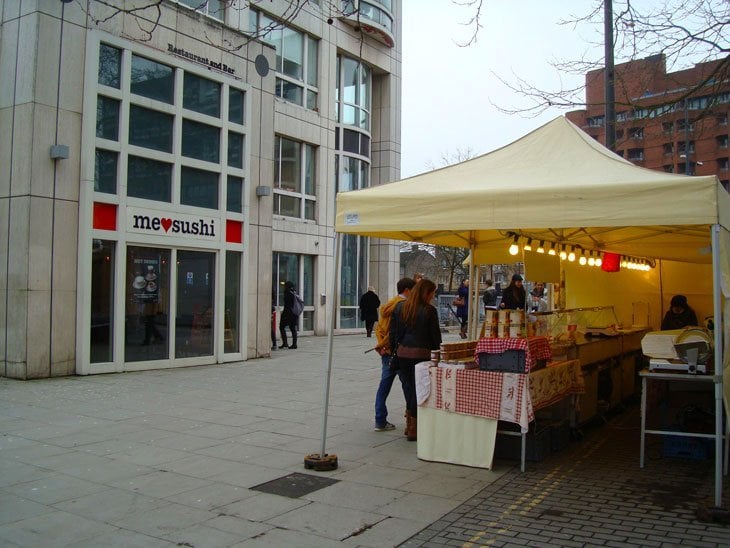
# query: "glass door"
(147, 304)
(195, 304)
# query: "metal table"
(710, 380)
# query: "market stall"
(558, 185)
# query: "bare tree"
(681, 30)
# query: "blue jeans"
(386, 382)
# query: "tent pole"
(330, 336)
(718, 332)
(473, 317)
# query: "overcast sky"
(447, 89)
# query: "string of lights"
(571, 252)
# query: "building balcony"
(372, 17)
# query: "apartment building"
(169, 165)
(675, 122)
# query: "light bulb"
(591, 260)
(599, 261)
(563, 253)
(541, 247)
(582, 261)
(571, 255)
(528, 245)
(552, 251)
(514, 249)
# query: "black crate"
(536, 448)
(509, 361)
(559, 435)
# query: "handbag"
(459, 301)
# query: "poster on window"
(146, 285)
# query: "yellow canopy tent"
(559, 185)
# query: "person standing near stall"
(369, 303)
(514, 295)
(490, 296)
(679, 315)
(414, 333)
(387, 374)
(462, 306)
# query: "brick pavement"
(592, 493)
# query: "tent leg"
(717, 302)
(322, 461)
(473, 317)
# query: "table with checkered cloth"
(511, 397)
(535, 348)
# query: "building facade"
(169, 167)
(675, 122)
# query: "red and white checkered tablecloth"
(535, 348)
(511, 397)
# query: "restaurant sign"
(177, 225)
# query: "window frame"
(307, 158)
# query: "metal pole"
(718, 332)
(473, 317)
(686, 138)
(609, 92)
(330, 337)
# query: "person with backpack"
(490, 296)
(293, 307)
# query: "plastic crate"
(685, 448)
(509, 361)
(536, 448)
(559, 435)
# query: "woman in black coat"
(514, 296)
(369, 304)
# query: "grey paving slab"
(52, 529)
(262, 507)
(332, 522)
(14, 508)
(55, 488)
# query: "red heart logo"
(166, 224)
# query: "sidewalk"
(171, 457)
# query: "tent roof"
(555, 183)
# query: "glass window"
(105, 171)
(201, 141)
(102, 302)
(147, 304)
(292, 59)
(309, 165)
(107, 118)
(287, 166)
(287, 205)
(149, 179)
(153, 80)
(312, 63)
(198, 188)
(296, 59)
(235, 106)
(201, 95)
(150, 128)
(195, 319)
(353, 92)
(234, 194)
(235, 149)
(110, 66)
(214, 8)
(232, 298)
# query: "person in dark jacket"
(288, 318)
(369, 303)
(514, 295)
(414, 332)
(462, 312)
(679, 315)
(490, 296)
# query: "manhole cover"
(295, 485)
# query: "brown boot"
(411, 426)
(405, 429)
